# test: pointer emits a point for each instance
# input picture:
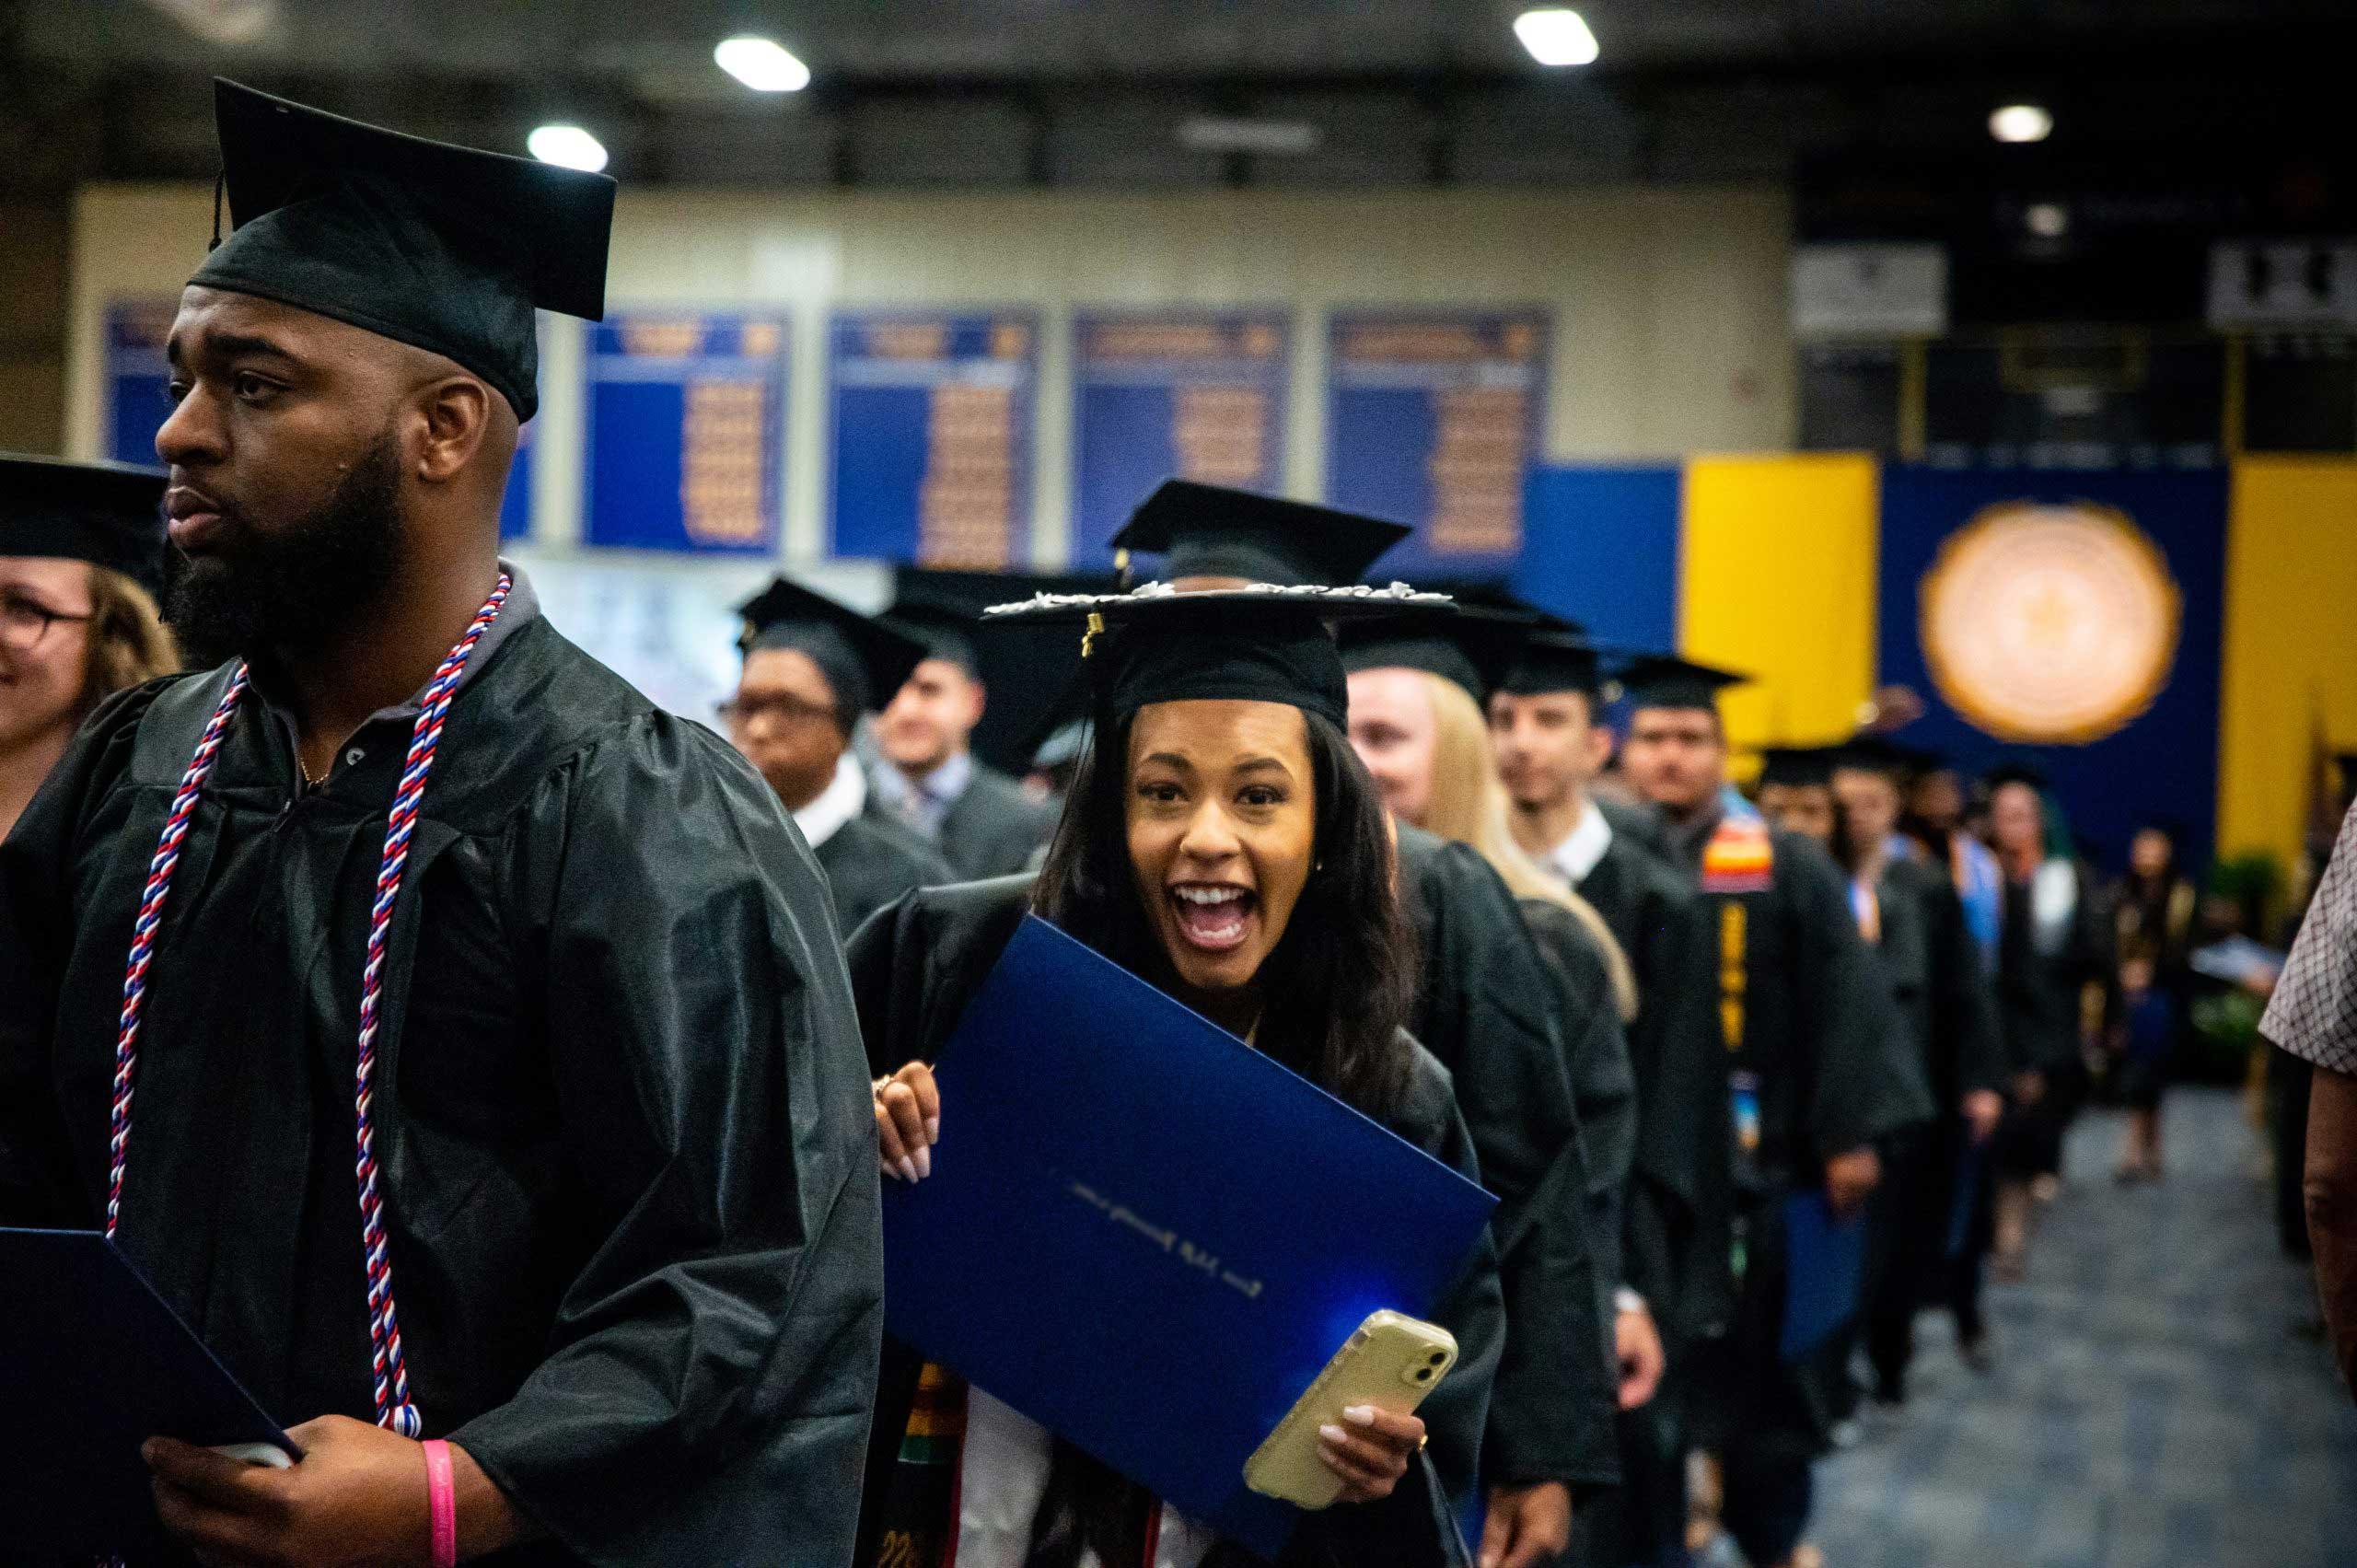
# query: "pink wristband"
(442, 1502)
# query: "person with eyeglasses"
(812, 667)
(81, 553)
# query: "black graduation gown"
(1490, 1009)
(1676, 1220)
(870, 861)
(915, 965)
(1602, 1083)
(622, 1113)
(2042, 979)
(1926, 956)
(1675, 1233)
(993, 828)
(1814, 1027)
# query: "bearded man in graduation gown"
(438, 888)
(810, 665)
(927, 775)
(1813, 1086)
(1546, 725)
(1488, 1007)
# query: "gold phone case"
(1392, 1362)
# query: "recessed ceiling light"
(761, 63)
(568, 146)
(1556, 37)
(2047, 220)
(2021, 123)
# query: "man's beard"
(291, 589)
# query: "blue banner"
(1433, 418)
(1171, 395)
(516, 506)
(138, 377)
(931, 442)
(685, 430)
(1600, 547)
(2070, 618)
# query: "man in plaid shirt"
(2314, 1015)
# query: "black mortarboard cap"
(1796, 765)
(1209, 532)
(1553, 661)
(1029, 674)
(864, 660)
(1472, 648)
(111, 514)
(444, 248)
(1265, 644)
(1880, 754)
(1664, 681)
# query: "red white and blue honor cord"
(394, 1409)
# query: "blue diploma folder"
(93, 1363)
(1825, 1266)
(1147, 1237)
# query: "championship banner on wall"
(683, 431)
(931, 436)
(1433, 418)
(1172, 395)
(2072, 618)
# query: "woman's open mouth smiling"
(1213, 916)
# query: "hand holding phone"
(1391, 1363)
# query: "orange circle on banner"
(2050, 623)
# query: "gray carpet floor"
(2156, 1403)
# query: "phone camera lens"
(1424, 1375)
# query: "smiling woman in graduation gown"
(915, 966)
(615, 1115)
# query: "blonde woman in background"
(81, 549)
(1418, 724)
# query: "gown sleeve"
(1489, 997)
(36, 934)
(707, 1387)
(1603, 1085)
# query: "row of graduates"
(1728, 1032)
(406, 874)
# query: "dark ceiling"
(998, 93)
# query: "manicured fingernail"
(1333, 1435)
(888, 1167)
(1360, 1415)
(924, 1162)
(932, 1129)
(908, 1168)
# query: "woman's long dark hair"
(1337, 990)
(1340, 982)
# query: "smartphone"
(1392, 1362)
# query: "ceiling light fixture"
(761, 63)
(2047, 220)
(1556, 37)
(2020, 123)
(568, 146)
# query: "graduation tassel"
(394, 1408)
(220, 183)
